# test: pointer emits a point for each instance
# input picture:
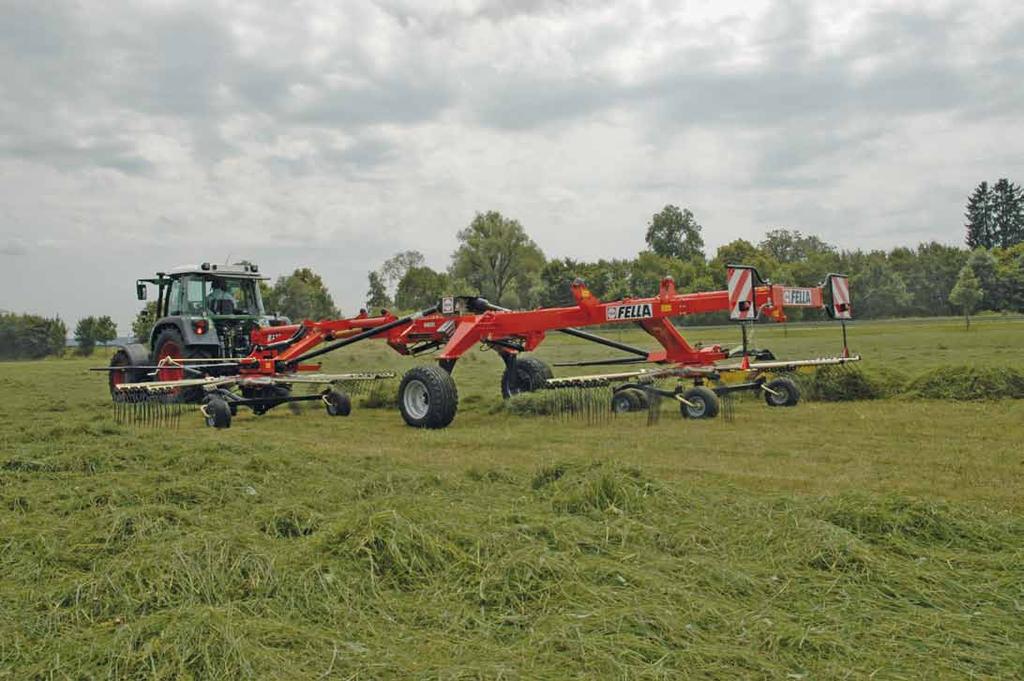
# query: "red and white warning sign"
(840, 296)
(742, 305)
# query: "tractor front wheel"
(427, 397)
(701, 403)
(781, 392)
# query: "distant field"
(841, 540)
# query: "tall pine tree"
(1007, 213)
(980, 232)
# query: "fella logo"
(618, 312)
(796, 296)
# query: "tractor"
(205, 312)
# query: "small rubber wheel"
(625, 401)
(338, 403)
(782, 392)
(703, 403)
(427, 397)
(528, 374)
(217, 413)
(643, 400)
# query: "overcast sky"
(139, 136)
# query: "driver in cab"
(220, 300)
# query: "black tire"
(121, 358)
(625, 401)
(338, 403)
(703, 403)
(171, 337)
(785, 393)
(643, 400)
(427, 397)
(217, 413)
(528, 374)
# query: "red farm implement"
(281, 356)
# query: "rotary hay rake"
(427, 395)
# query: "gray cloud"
(386, 125)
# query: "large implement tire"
(427, 397)
(703, 403)
(782, 392)
(524, 376)
(169, 344)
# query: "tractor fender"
(137, 353)
(184, 326)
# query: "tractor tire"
(526, 375)
(170, 344)
(217, 413)
(625, 401)
(122, 358)
(338, 403)
(703, 401)
(785, 393)
(427, 397)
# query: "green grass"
(828, 541)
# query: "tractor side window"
(174, 298)
(194, 299)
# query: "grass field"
(878, 539)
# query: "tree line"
(29, 336)
(495, 258)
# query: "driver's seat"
(222, 306)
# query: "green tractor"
(203, 312)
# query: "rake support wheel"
(427, 397)
(782, 392)
(217, 413)
(524, 375)
(623, 402)
(337, 403)
(703, 403)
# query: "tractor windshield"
(219, 296)
(226, 296)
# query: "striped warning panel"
(741, 294)
(841, 297)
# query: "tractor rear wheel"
(427, 397)
(525, 375)
(782, 392)
(170, 345)
(703, 403)
(127, 374)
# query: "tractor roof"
(235, 271)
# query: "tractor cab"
(205, 311)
